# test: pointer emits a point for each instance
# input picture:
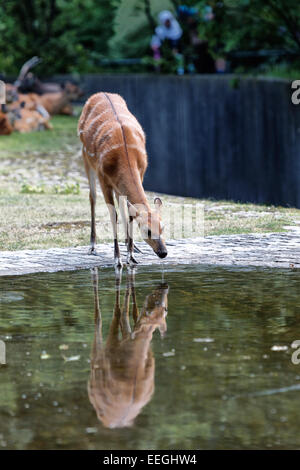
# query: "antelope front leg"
(128, 230)
(131, 261)
(114, 222)
(109, 199)
(124, 216)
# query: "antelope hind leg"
(91, 174)
(131, 261)
(109, 199)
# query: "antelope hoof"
(131, 261)
(93, 251)
(118, 263)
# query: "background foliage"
(69, 35)
(74, 36)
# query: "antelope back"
(106, 125)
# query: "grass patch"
(68, 188)
(33, 221)
(62, 137)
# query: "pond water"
(192, 358)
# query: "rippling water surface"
(195, 358)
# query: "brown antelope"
(25, 112)
(31, 120)
(60, 102)
(122, 369)
(113, 148)
(27, 82)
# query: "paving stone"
(280, 250)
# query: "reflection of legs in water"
(122, 369)
(153, 312)
(135, 310)
(114, 327)
(124, 321)
(97, 311)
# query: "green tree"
(252, 24)
(68, 34)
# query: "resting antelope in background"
(60, 102)
(122, 369)
(113, 148)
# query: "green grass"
(32, 221)
(62, 137)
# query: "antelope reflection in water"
(122, 369)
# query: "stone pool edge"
(273, 250)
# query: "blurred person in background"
(169, 30)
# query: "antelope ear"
(132, 210)
(157, 203)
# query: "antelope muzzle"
(161, 249)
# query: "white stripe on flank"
(107, 135)
(90, 123)
(109, 149)
(102, 101)
(137, 147)
(105, 151)
(99, 128)
(93, 111)
(129, 118)
(134, 125)
(103, 112)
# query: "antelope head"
(150, 225)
